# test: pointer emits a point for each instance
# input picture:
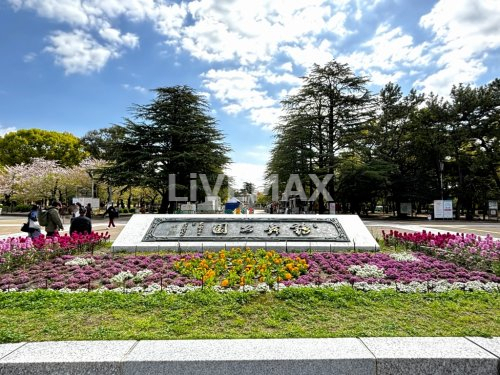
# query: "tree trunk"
(165, 204)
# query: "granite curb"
(378, 355)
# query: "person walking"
(88, 212)
(34, 229)
(112, 213)
(54, 222)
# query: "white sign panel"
(493, 205)
(405, 208)
(443, 209)
(94, 202)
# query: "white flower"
(367, 270)
(371, 287)
(413, 287)
(80, 262)
(403, 257)
(141, 275)
(121, 277)
(262, 287)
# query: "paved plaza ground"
(10, 225)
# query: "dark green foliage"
(173, 135)
(390, 151)
(25, 144)
(332, 106)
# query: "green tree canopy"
(22, 146)
(320, 121)
(99, 143)
(173, 135)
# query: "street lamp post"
(441, 167)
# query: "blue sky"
(78, 65)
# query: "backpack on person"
(43, 218)
(113, 213)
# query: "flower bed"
(468, 250)
(176, 273)
(18, 252)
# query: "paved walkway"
(10, 225)
(348, 356)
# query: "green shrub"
(22, 208)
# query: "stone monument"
(214, 232)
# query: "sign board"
(332, 208)
(443, 209)
(405, 208)
(188, 207)
(256, 229)
(493, 209)
(94, 202)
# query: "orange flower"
(288, 276)
(224, 283)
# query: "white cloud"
(379, 78)
(79, 52)
(254, 32)
(463, 36)
(458, 72)
(267, 117)
(255, 36)
(287, 67)
(29, 57)
(140, 89)
(115, 38)
(387, 56)
(258, 153)
(168, 20)
(240, 90)
(246, 172)
(237, 87)
(4, 131)
(251, 34)
(68, 11)
(310, 52)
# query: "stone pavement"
(10, 225)
(348, 356)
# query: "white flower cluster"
(440, 286)
(403, 257)
(367, 270)
(141, 275)
(80, 262)
(121, 277)
(261, 287)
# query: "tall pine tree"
(173, 135)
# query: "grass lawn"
(294, 312)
